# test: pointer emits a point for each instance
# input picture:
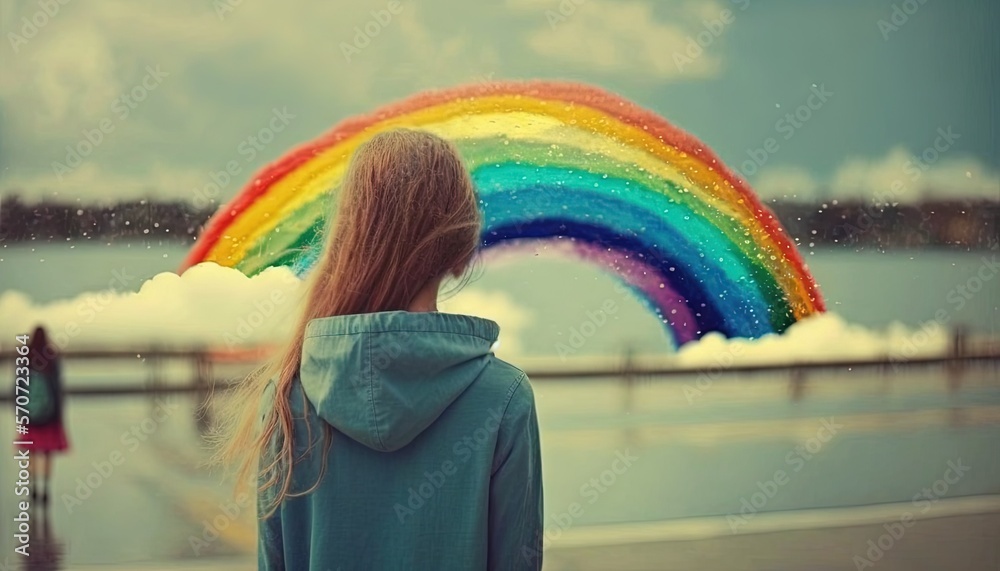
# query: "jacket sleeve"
(270, 545)
(515, 504)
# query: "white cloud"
(821, 337)
(66, 78)
(69, 81)
(786, 183)
(434, 62)
(210, 305)
(67, 75)
(88, 51)
(512, 318)
(625, 36)
(915, 179)
(899, 176)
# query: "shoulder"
(518, 420)
(513, 385)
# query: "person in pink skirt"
(46, 433)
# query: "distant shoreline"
(965, 225)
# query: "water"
(867, 288)
(852, 440)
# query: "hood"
(382, 378)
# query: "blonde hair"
(406, 214)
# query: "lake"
(866, 288)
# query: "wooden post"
(203, 388)
(797, 383)
(153, 362)
(955, 369)
(628, 377)
(202, 370)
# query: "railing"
(204, 362)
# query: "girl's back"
(386, 435)
(433, 462)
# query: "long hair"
(43, 353)
(406, 214)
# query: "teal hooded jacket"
(433, 461)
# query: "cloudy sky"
(900, 77)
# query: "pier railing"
(204, 365)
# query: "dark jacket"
(48, 372)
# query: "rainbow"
(570, 165)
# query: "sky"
(899, 90)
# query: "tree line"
(854, 224)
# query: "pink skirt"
(48, 438)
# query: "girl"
(388, 435)
(45, 412)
